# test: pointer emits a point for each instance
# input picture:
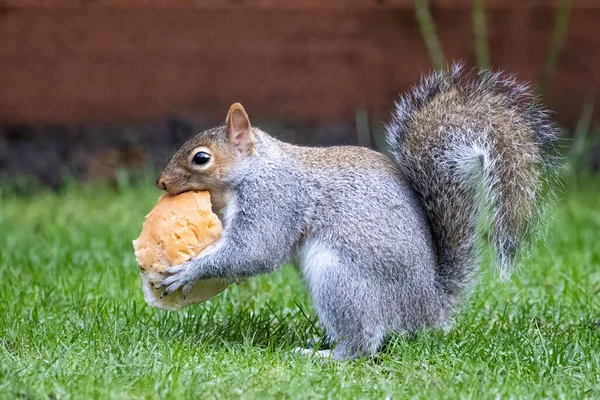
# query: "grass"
(73, 323)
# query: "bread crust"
(177, 229)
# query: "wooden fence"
(75, 62)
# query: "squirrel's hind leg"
(346, 302)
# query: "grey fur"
(383, 245)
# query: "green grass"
(73, 323)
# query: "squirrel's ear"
(239, 129)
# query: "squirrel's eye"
(201, 158)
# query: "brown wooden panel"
(279, 4)
(133, 61)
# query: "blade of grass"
(480, 32)
(427, 27)
(561, 23)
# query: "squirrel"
(385, 243)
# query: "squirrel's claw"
(179, 277)
(186, 288)
(174, 270)
(171, 284)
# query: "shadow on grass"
(266, 329)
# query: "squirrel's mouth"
(174, 187)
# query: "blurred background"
(92, 88)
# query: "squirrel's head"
(205, 161)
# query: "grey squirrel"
(383, 243)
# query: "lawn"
(73, 322)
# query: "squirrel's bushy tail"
(458, 136)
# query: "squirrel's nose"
(161, 184)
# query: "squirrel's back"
(468, 139)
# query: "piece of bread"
(177, 229)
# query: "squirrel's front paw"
(181, 276)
